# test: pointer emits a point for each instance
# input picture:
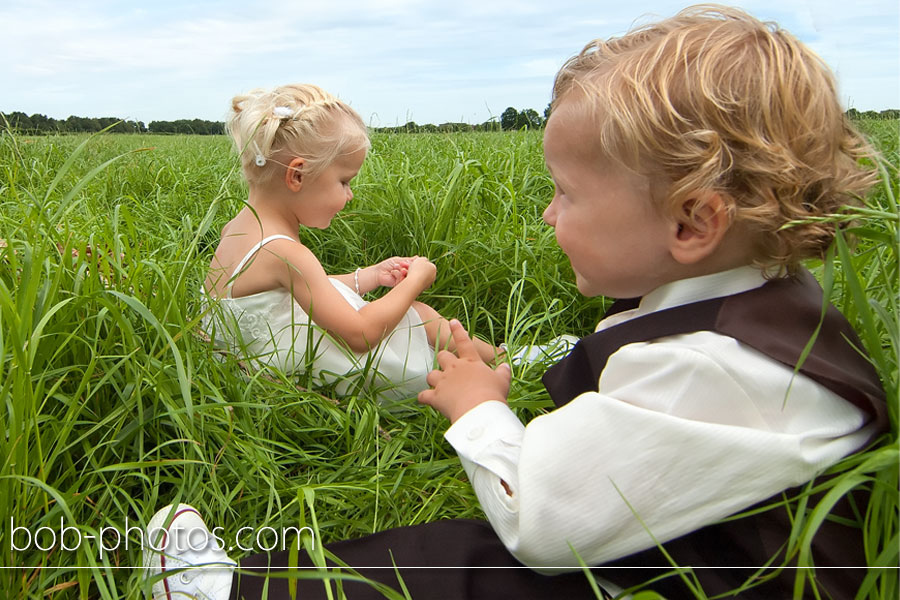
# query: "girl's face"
(320, 199)
(603, 214)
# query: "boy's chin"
(592, 289)
(586, 288)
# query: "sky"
(393, 60)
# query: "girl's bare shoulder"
(250, 266)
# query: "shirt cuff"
(482, 427)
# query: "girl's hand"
(422, 270)
(391, 271)
(464, 381)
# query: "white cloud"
(540, 67)
(172, 59)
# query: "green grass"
(114, 406)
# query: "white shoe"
(553, 350)
(179, 543)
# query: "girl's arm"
(298, 270)
(388, 272)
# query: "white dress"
(271, 329)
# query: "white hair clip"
(283, 112)
(260, 160)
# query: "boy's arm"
(675, 443)
(466, 388)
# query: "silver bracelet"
(356, 279)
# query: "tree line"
(38, 124)
(891, 113)
(510, 119)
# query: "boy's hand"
(391, 271)
(464, 381)
(422, 270)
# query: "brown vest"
(778, 319)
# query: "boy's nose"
(550, 215)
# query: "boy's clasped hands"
(464, 380)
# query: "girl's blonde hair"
(714, 99)
(269, 127)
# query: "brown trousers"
(443, 560)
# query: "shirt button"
(475, 433)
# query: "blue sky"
(393, 60)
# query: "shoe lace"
(187, 576)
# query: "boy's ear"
(293, 176)
(699, 226)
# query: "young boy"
(679, 153)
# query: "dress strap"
(249, 255)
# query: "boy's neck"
(702, 287)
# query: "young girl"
(300, 147)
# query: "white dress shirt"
(682, 431)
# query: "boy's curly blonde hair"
(269, 127)
(714, 99)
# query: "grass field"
(113, 405)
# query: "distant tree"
(546, 114)
(42, 123)
(185, 126)
(454, 127)
(525, 119)
(509, 119)
(411, 127)
(529, 119)
(490, 125)
(891, 113)
(18, 121)
(129, 127)
(76, 124)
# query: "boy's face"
(602, 213)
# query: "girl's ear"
(293, 176)
(699, 226)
